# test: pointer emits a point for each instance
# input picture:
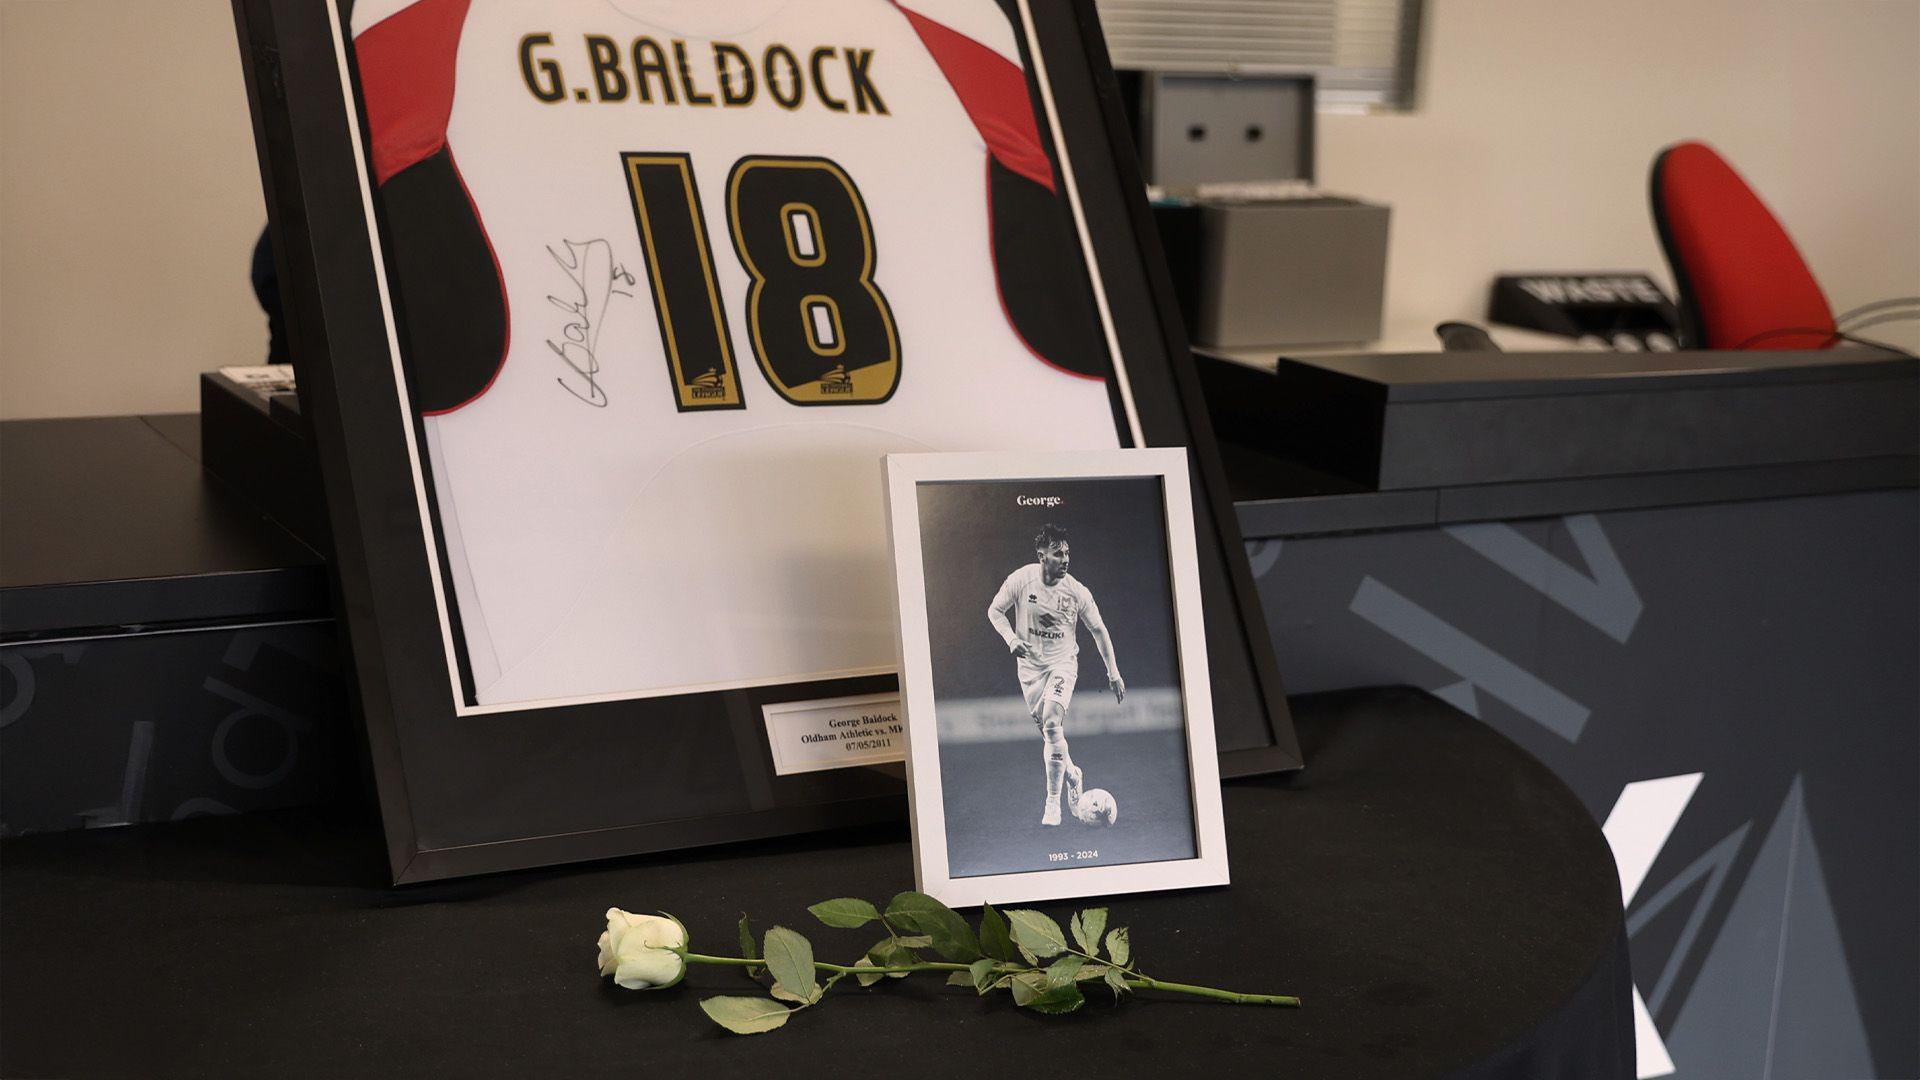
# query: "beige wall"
(129, 193)
(1538, 122)
(129, 203)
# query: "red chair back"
(1742, 283)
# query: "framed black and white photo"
(604, 314)
(1053, 656)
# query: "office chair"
(1741, 282)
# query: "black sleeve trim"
(1042, 277)
(446, 285)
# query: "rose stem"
(1138, 983)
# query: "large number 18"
(820, 327)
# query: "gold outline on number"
(732, 398)
(833, 314)
(813, 222)
(739, 171)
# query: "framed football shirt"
(606, 311)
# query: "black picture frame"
(463, 795)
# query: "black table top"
(1457, 375)
(111, 522)
(1440, 901)
(1276, 497)
(1365, 442)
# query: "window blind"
(1363, 52)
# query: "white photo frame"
(969, 844)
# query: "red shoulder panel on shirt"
(993, 90)
(406, 66)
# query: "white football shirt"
(621, 516)
(1047, 617)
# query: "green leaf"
(865, 978)
(1117, 983)
(790, 959)
(981, 974)
(914, 941)
(994, 940)
(960, 978)
(1088, 925)
(745, 1015)
(1032, 960)
(847, 912)
(890, 953)
(1119, 947)
(1036, 933)
(1027, 986)
(920, 913)
(749, 948)
(1062, 971)
(1092, 971)
(782, 993)
(1058, 999)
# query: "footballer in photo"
(1055, 674)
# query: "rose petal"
(619, 925)
(658, 932)
(681, 937)
(643, 968)
(634, 949)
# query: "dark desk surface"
(1519, 435)
(1441, 902)
(110, 521)
(1275, 497)
(1452, 375)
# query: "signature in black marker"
(596, 280)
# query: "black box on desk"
(253, 436)
(1429, 420)
(166, 650)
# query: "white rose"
(637, 950)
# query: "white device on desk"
(1260, 256)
